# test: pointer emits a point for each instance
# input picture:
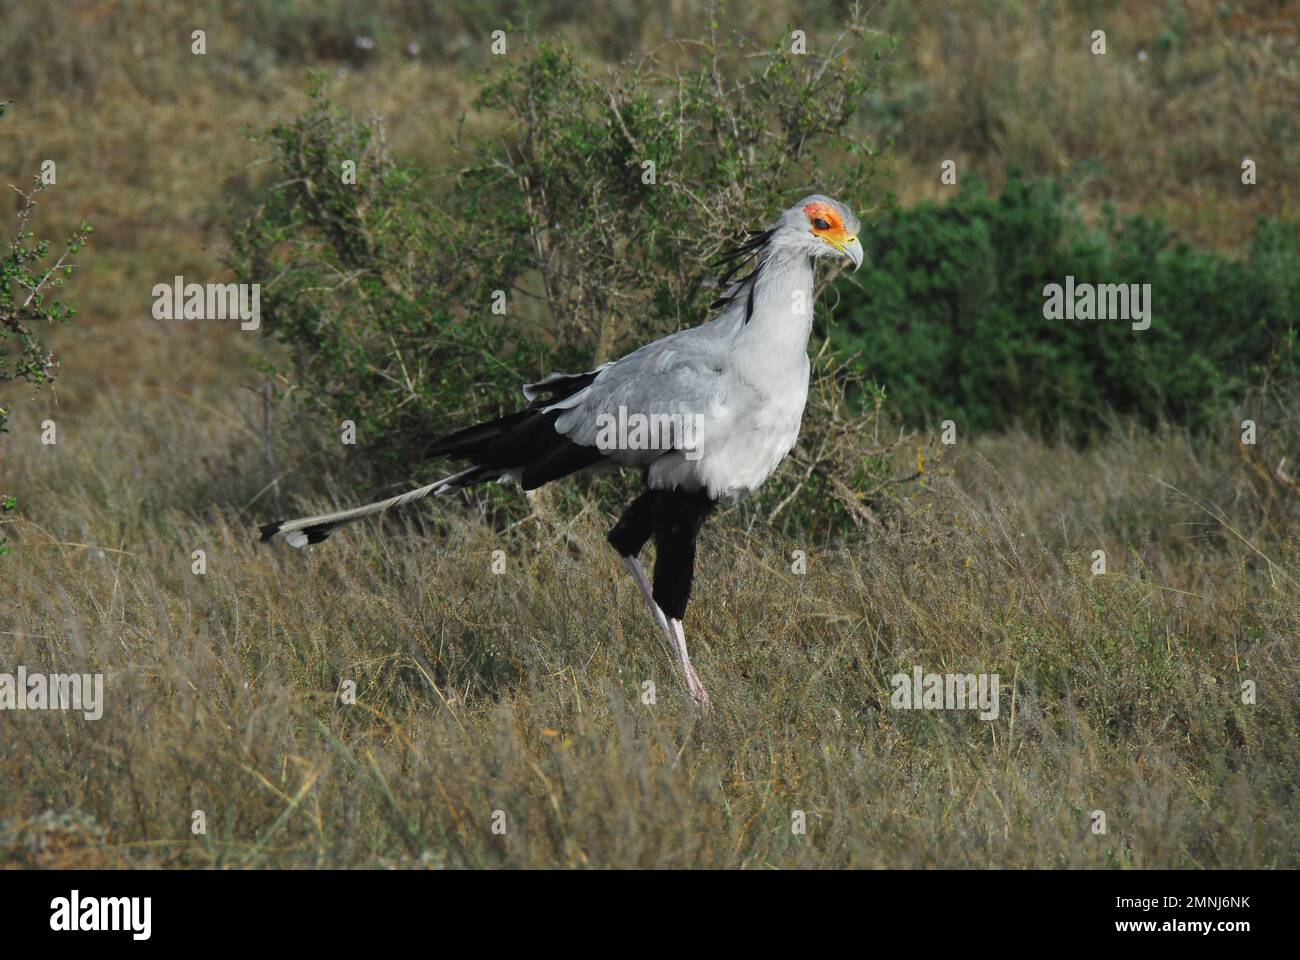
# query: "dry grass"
(520, 692)
(1159, 124)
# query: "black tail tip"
(269, 530)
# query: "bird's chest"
(767, 415)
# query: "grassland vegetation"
(1162, 692)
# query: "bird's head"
(820, 226)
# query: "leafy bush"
(385, 289)
(27, 278)
(948, 315)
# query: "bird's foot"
(674, 633)
(677, 638)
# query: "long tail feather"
(307, 530)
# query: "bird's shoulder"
(685, 366)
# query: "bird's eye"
(821, 224)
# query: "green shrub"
(384, 289)
(948, 315)
(28, 276)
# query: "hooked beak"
(850, 247)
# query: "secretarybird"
(730, 393)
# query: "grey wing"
(678, 388)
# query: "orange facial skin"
(834, 232)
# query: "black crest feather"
(736, 259)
